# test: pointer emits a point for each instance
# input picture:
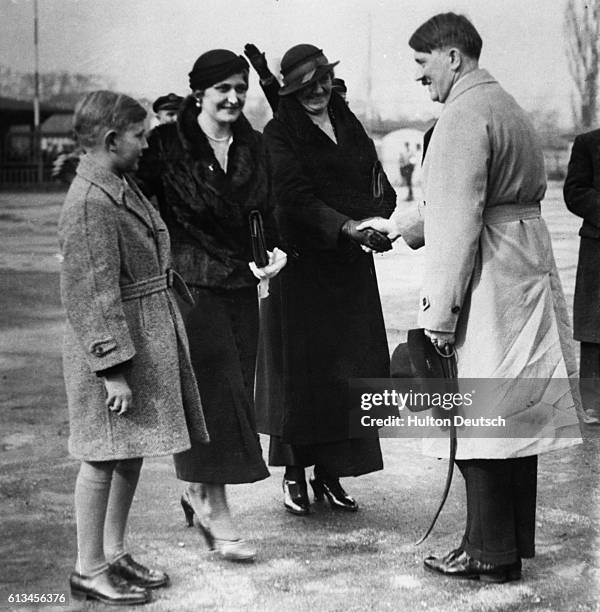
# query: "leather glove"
(374, 240)
(258, 60)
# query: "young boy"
(130, 387)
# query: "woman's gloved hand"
(258, 61)
(277, 260)
(367, 237)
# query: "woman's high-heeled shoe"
(332, 489)
(295, 497)
(188, 510)
(231, 550)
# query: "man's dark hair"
(447, 30)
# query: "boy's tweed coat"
(112, 237)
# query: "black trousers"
(501, 500)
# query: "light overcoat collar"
(106, 180)
(472, 79)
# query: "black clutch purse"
(377, 181)
(257, 237)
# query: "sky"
(147, 47)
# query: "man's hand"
(258, 60)
(119, 398)
(382, 225)
(440, 339)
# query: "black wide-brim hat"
(302, 65)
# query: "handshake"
(372, 234)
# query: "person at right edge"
(582, 196)
(322, 324)
(490, 288)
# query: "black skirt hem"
(213, 475)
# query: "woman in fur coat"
(208, 171)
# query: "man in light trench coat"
(491, 289)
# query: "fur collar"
(244, 153)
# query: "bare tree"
(582, 35)
(61, 88)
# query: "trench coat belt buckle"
(511, 211)
(156, 284)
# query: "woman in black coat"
(208, 171)
(322, 324)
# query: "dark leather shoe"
(108, 588)
(326, 486)
(138, 574)
(451, 556)
(295, 497)
(459, 564)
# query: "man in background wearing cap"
(166, 107)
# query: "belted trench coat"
(490, 274)
(120, 310)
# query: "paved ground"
(325, 561)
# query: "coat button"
(455, 309)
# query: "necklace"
(217, 139)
